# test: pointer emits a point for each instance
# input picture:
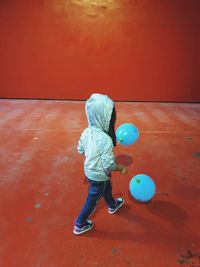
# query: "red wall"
(129, 49)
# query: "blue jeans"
(95, 192)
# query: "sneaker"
(80, 230)
(119, 204)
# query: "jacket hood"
(98, 110)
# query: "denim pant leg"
(95, 192)
(110, 201)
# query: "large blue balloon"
(127, 134)
(142, 187)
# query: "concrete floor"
(42, 188)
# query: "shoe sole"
(112, 212)
(86, 230)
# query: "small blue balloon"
(142, 187)
(127, 134)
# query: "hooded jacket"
(95, 142)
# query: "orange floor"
(42, 188)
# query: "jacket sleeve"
(107, 157)
(80, 147)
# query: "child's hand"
(124, 170)
(121, 169)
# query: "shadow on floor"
(187, 192)
(151, 232)
(168, 211)
(123, 159)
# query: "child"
(96, 143)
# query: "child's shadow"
(164, 209)
(168, 211)
(151, 230)
(187, 192)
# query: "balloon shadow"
(123, 159)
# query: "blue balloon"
(127, 134)
(142, 187)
